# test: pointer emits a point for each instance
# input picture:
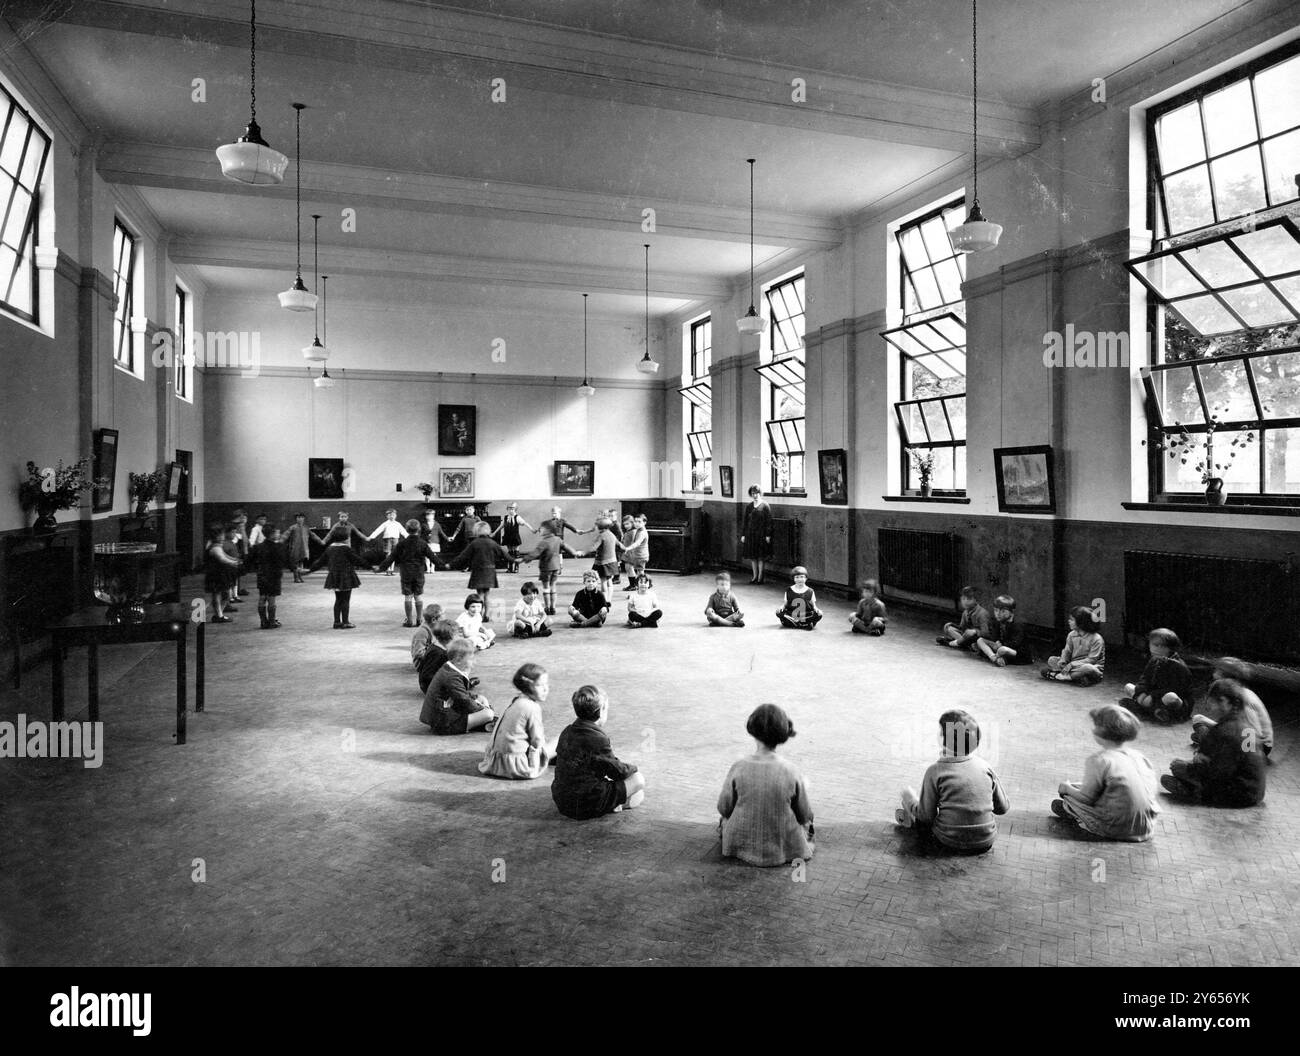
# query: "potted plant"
(425, 489)
(49, 490)
(144, 488)
(1185, 446)
(924, 463)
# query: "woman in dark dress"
(756, 534)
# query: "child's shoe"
(902, 819)
(942, 639)
(1058, 808)
(1175, 787)
(739, 623)
(1161, 714)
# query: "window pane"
(1227, 391)
(935, 420)
(1187, 200)
(1170, 277)
(945, 476)
(1271, 249)
(797, 471)
(12, 151)
(927, 289)
(1276, 92)
(1179, 136)
(1206, 315)
(1238, 183)
(789, 403)
(17, 223)
(1278, 381)
(957, 416)
(1282, 160)
(913, 249)
(949, 278)
(8, 269)
(1218, 265)
(1238, 466)
(1257, 305)
(937, 244)
(31, 174)
(1282, 461)
(959, 468)
(1290, 289)
(1229, 117)
(1181, 403)
(912, 424)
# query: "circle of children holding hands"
(766, 817)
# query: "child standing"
(590, 606)
(642, 607)
(558, 524)
(268, 558)
(589, 779)
(342, 577)
(971, 626)
(870, 617)
(530, 619)
(471, 626)
(298, 545)
(431, 532)
(411, 555)
(722, 608)
(258, 532)
(218, 571)
(799, 609)
(231, 545)
(1083, 660)
(1164, 692)
(451, 706)
(519, 749)
(960, 793)
(1228, 769)
(389, 532)
(480, 557)
(239, 522)
(1117, 798)
(508, 533)
(549, 555)
(467, 528)
(636, 549)
(1006, 642)
(605, 553)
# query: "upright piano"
(678, 533)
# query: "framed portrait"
(833, 466)
(105, 469)
(457, 428)
(1025, 479)
(575, 478)
(324, 478)
(456, 483)
(175, 481)
(728, 482)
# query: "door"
(185, 512)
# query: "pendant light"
(249, 159)
(324, 381)
(751, 322)
(297, 298)
(315, 352)
(586, 388)
(976, 234)
(647, 365)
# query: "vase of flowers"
(144, 488)
(1185, 446)
(47, 491)
(924, 463)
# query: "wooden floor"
(333, 829)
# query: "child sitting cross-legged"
(643, 607)
(722, 609)
(1228, 769)
(870, 615)
(799, 607)
(590, 606)
(1006, 642)
(471, 625)
(530, 619)
(1083, 660)
(1256, 715)
(435, 653)
(972, 625)
(1164, 692)
(450, 705)
(590, 780)
(1117, 798)
(519, 749)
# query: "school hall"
(964, 337)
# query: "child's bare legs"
(408, 605)
(218, 606)
(951, 635)
(634, 787)
(874, 626)
(1084, 674)
(521, 629)
(479, 719)
(906, 814)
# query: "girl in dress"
(1083, 660)
(508, 534)
(218, 571)
(643, 607)
(756, 533)
(799, 607)
(1117, 798)
(342, 577)
(298, 544)
(519, 749)
(766, 816)
(480, 557)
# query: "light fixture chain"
(974, 101)
(297, 196)
(252, 57)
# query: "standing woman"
(756, 533)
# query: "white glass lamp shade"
(315, 352)
(323, 382)
(297, 298)
(586, 388)
(647, 365)
(751, 322)
(976, 234)
(250, 161)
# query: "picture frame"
(457, 429)
(574, 477)
(105, 469)
(324, 478)
(727, 481)
(456, 483)
(175, 480)
(1026, 479)
(833, 471)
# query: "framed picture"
(456, 483)
(175, 481)
(834, 469)
(575, 478)
(728, 482)
(1025, 482)
(457, 429)
(105, 469)
(324, 478)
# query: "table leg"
(92, 680)
(198, 667)
(180, 687)
(56, 679)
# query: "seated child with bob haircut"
(870, 615)
(471, 625)
(971, 626)
(1083, 660)
(1117, 798)
(722, 609)
(799, 607)
(1006, 642)
(1164, 692)
(590, 780)
(530, 619)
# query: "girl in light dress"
(519, 749)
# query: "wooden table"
(91, 628)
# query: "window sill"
(706, 491)
(959, 499)
(1203, 507)
(785, 494)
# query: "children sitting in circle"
(590, 780)
(451, 706)
(1164, 691)
(1006, 643)
(1228, 769)
(767, 818)
(519, 750)
(869, 617)
(590, 606)
(643, 607)
(722, 608)
(960, 793)
(972, 625)
(1116, 800)
(530, 619)
(799, 608)
(1083, 660)
(471, 626)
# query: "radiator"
(919, 562)
(1216, 605)
(785, 542)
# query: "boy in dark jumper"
(1006, 642)
(973, 625)
(1164, 692)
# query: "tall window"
(124, 250)
(24, 149)
(1223, 396)
(698, 395)
(931, 343)
(184, 346)
(783, 383)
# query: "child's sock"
(261, 611)
(270, 613)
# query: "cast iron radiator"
(785, 542)
(1217, 605)
(920, 562)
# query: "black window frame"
(124, 350)
(24, 266)
(794, 459)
